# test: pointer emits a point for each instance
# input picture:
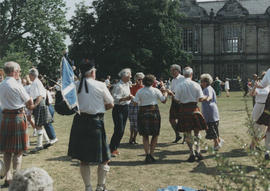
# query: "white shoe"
(53, 141)
(221, 143)
(35, 133)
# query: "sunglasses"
(139, 79)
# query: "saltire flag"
(68, 88)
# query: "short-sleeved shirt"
(188, 91)
(37, 89)
(148, 96)
(261, 94)
(209, 108)
(121, 90)
(175, 81)
(94, 101)
(12, 94)
(266, 79)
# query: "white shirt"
(107, 82)
(50, 99)
(12, 94)
(188, 91)
(148, 96)
(94, 101)
(175, 81)
(27, 88)
(121, 90)
(227, 85)
(261, 94)
(37, 89)
(266, 79)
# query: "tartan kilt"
(42, 114)
(133, 116)
(88, 142)
(13, 135)
(264, 119)
(173, 109)
(149, 120)
(190, 118)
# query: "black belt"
(92, 116)
(260, 103)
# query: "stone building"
(228, 38)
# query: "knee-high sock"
(189, 140)
(85, 173)
(46, 136)
(7, 163)
(267, 141)
(17, 162)
(102, 173)
(197, 144)
(39, 139)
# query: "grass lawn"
(128, 171)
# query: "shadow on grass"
(234, 153)
(140, 146)
(65, 159)
(142, 163)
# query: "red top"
(135, 88)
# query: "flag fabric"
(68, 88)
(178, 188)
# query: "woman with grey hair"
(41, 111)
(122, 96)
(210, 111)
(133, 108)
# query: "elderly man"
(177, 78)
(41, 111)
(13, 137)
(88, 138)
(122, 96)
(188, 93)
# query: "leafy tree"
(142, 35)
(36, 27)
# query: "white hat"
(2, 168)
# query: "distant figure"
(227, 87)
(108, 82)
(31, 179)
(217, 86)
(253, 82)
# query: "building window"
(190, 39)
(232, 39)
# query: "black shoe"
(178, 138)
(199, 156)
(266, 156)
(148, 159)
(191, 158)
(47, 145)
(152, 158)
(35, 150)
(5, 185)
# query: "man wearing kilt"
(177, 78)
(188, 93)
(148, 115)
(13, 136)
(41, 112)
(87, 141)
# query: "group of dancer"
(138, 102)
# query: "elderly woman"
(210, 111)
(41, 111)
(260, 131)
(122, 96)
(148, 115)
(133, 108)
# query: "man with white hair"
(41, 111)
(87, 141)
(122, 96)
(177, 78)
(188, 93)
(13, 136)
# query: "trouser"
(17, 163)
(49, 127)
(119, 114)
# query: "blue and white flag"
(68, 88)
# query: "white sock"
(102, 173)
(85, 173)
(197, 144)
(267, 141)
(46, 136)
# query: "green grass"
(128, 171)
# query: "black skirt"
(212, 131)
(149, 120)
(88, 142)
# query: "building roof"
(254, 7)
